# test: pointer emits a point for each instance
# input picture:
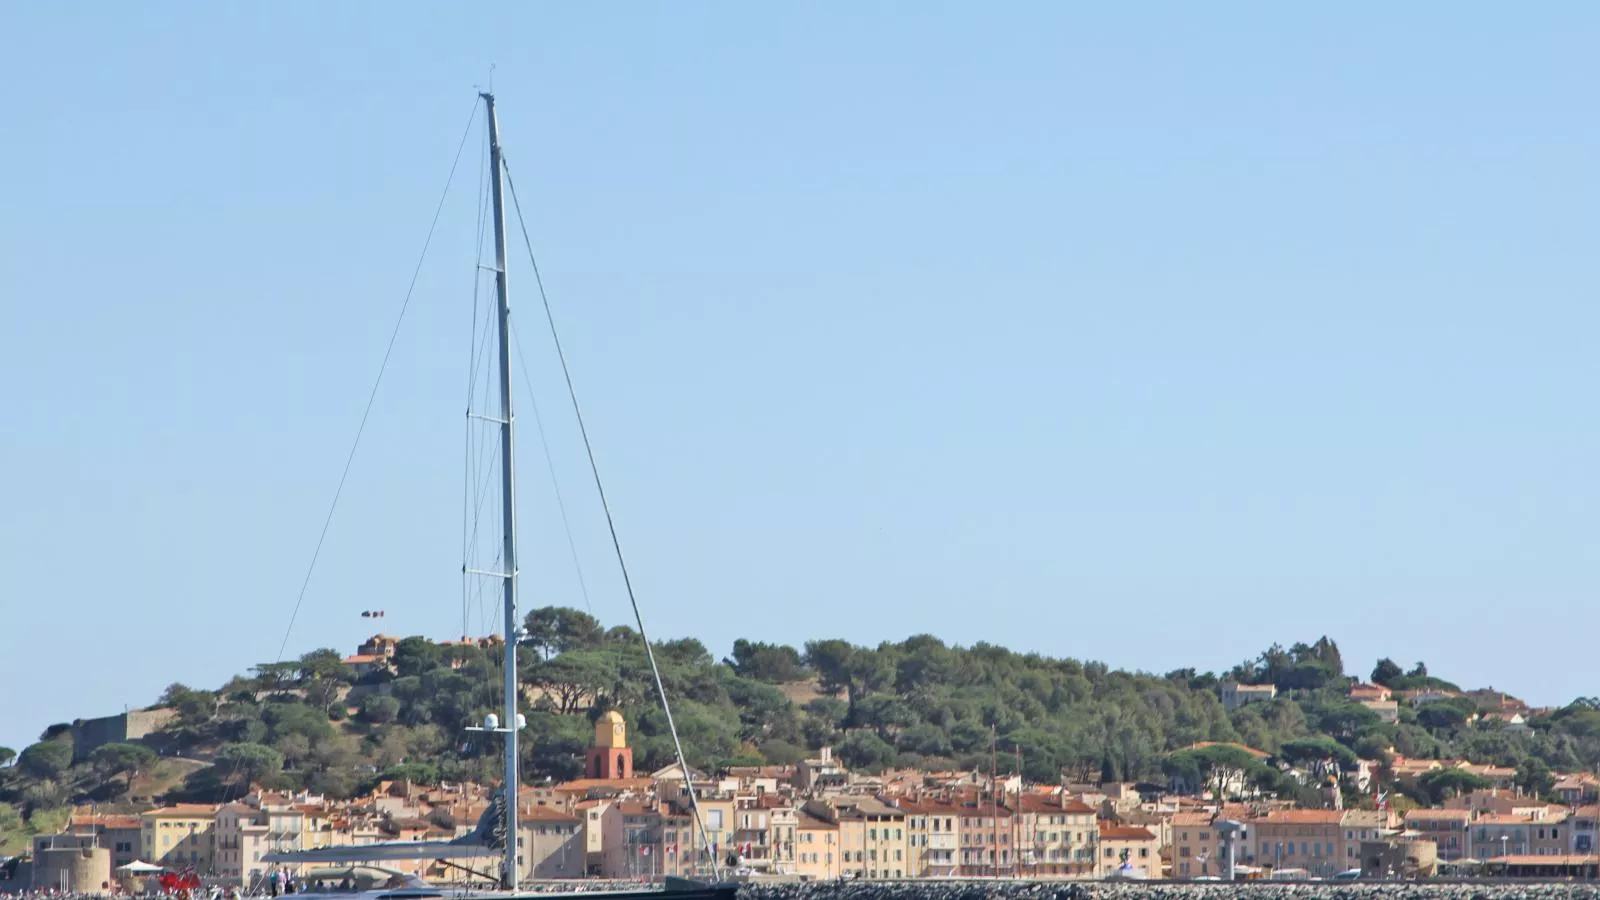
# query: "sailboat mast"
(508, 499)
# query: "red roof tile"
(546, 814)
(1111, 832)
(1303, 817)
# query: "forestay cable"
(616, 543)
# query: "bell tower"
(610, 757)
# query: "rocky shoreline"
(1123, 890)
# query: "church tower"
(610, 757)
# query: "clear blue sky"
(1139, 332)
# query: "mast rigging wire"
(467, 477)
(555, 483)
(611, 526)
(373, 395)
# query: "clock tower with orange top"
(610, 757)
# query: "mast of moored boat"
(508, 498)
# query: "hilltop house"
(1235, 695)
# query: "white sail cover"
(486, 839)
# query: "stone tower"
(610, 757)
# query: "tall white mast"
(508, 501)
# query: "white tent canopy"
(139, 867)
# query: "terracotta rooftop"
(182, 811)
(546, 814)
(982, 809)
(1112, 832)
(1303, 817)
(927, 806)
(1033, 803)
(584, 785)
(1422, 815)
(91, 821)
(1502, 820)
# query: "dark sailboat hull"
(680, 890)
(675, 889)
(706, 892)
